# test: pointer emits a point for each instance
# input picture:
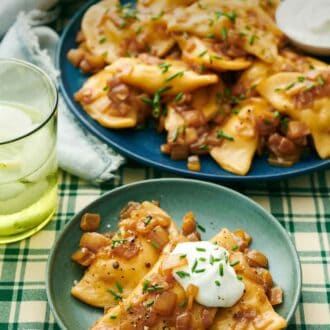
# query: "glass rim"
(53, 106)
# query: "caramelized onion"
(275, 296)
(83, 257)
(183, 321)
(256, 259)
(188, 223)
(158, 237)
(165, 303)
(192, 292)
(94, 241)
(90, 221)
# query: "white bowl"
(288, 20)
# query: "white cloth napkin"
(79, 152)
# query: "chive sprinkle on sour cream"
(209, 270)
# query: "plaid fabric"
(301, 204)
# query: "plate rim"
(70, 224)
(230, 177)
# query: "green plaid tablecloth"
(301, 204)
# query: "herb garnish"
(234, 263)
(178, 97)
(200, 249)
(154, 244)
(147, 220)
(221, 269)
(119, 287)
(117, 241)
(222, 135)
(182, 274)
(200, 227)
(175, 75)
(164, 67)
(115, 295)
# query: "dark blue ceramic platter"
(144, 145)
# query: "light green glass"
(28, 162)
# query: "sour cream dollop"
(307, 22)
(208, 269)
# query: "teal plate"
(214, 206)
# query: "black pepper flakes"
(148, 264)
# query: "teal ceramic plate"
(214, 206)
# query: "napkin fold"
(79, 152)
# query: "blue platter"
(144, 145)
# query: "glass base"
(25, 234)
(29, 221)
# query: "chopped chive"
(201, 54)
(183, 303)
(175, 75)
(234, 263)
(289, 86)
(154, 288)
(102, 40)
(301, 79)
(113, 317)
(200, 249)
(149, 303)
(222, 135)
(145, 285)
(243, 34)
(221, 269)
(224, 33)
(147, 100)
(147, 220)
(105, 88)
(139, 30)
(155, 18)
(210, 36)
(203, 147)
(284, 123)
(217, 283)
(115, 295)
(178, 97)
(211, 22)
(164, 67)
(235, 111)
(117, 241)
(194, 266)
(218, 14)
(234, 248)
(119, 287)
(202, 68)
(182, 274)
(252, 39)
(202, 259)
(310, 87)
(200, 270)
(183, 256)
(175, 135)
(227, 92)
(277, 114)
(320, 80)
(154, 244)
(211, 259)
(240, 278)
(201, 228)
(231, 16)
